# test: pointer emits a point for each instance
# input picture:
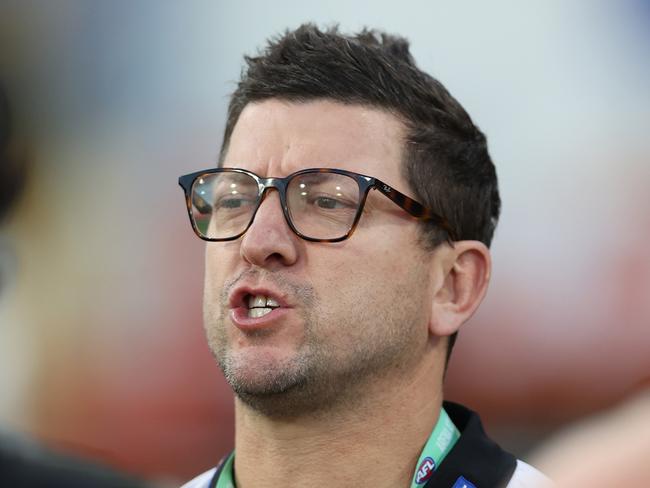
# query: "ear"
(461, 281)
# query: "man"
(333, 295)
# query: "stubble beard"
(315, 380)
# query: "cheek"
(219, 261)
(220, 258)
(366, 277)
(370, 305)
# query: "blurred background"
(102, 351)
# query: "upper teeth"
(261, 301)
(260, 305)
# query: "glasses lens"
(223, 203)
(323, 205)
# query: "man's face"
(351, 314)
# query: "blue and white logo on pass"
(463, 483)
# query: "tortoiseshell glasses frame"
(364, 183)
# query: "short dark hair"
(12, 168)
(446, 161)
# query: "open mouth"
(260, 305)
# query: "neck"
(342, 448)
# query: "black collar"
(474, 457)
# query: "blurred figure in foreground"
(24, 463)
(609, 450)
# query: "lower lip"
(241, 319)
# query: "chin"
(262, 370)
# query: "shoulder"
(201, 481)
(525, 476)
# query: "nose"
(269, 241)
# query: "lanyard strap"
(226, 477)
(442, 439)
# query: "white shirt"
(525, 476)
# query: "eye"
(231, 203)
(328, 203)
(234, 202)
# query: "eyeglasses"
(321, 204)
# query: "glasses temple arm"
(413, 207)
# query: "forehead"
(275, 138)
